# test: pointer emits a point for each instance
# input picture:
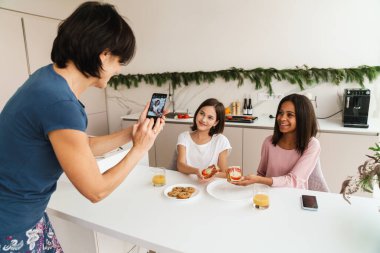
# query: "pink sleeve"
(299, 175)
(262, 170)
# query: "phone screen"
(309, 202)
(157, 105)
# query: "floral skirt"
(39, 239)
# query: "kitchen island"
(141, 214)
(343, 149)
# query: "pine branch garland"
(260, 77)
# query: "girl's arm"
(182, 165)
(223, 163)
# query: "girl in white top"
(205, 145)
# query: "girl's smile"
(206, 118)
(286, 118)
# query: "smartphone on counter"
(156, 106)
(309, 202)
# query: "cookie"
(173, 193)
(178, 189)
(184, 195)
(190, 189)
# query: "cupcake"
(234, 173)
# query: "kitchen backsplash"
(328, 100)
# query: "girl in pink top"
(290, 157)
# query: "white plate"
(223, 190)
(169, 188)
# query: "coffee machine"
(355, 107)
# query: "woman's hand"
(145, 112)
(145, 132)
(246, 180)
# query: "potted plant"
(367, 178)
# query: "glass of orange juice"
(260, 196)
(159, 177)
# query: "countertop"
(141, 214)
(332, 125)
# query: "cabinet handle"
(347, 102)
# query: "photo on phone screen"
(309, 202)
(157, 105)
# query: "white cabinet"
(234, 135)
(40, 34)
(24, 54)
(341, 155)
(13, 64)
(165, 145)
(74, 238)
(163, 150)
(252, 142)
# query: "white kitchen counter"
(139, 213)
(332, 125)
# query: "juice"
(159, 180)
(261, 201)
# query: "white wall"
(41, 19)
(197, 35)
(208, 35)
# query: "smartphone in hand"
(156, 106)
(309, 202)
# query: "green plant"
(368, 175)
(259, 77)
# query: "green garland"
(258, 76)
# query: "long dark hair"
(91, 29)
(307, 125)
(220, 115)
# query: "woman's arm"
(76, 159)
(299, 175)
(261, 171)
(102, 144)
(253, 179)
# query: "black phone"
(156, 106)
(309, 202)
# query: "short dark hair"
(307, 125)
(90, 30)
(220, 115)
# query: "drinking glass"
(260, 196)
(159, 177)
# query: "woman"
(42, 128)
(290, 157)
(205, 145)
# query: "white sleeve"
(223, 144)
(182, 139)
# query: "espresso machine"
(355, 107)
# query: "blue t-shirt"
(29, 169)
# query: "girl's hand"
(246, 180)
(201, 178)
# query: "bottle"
(233, 108)
(245, 107)
(250, 108)
(238, 109)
